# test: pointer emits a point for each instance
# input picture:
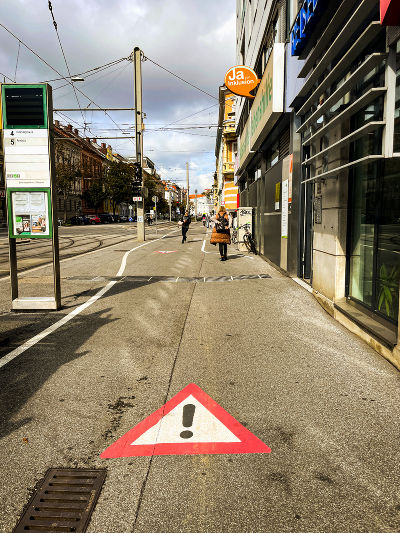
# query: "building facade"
(349, 108)
(266, 167)
(225, 152)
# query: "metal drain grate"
(63, 502)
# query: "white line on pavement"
(29, 270)
(37, 338)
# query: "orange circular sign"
(241, 80)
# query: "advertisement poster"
(285, 209)
(30, 214)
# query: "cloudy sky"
(195, 39)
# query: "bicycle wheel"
(250, 244)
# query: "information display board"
(30, 213)
(27, 160)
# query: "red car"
(94, 219)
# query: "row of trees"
(115, 185)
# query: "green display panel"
(24, 106)
(29, 213)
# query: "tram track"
(97, 241)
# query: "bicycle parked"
(247, 238)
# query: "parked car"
(116, 218)
(94, 219)
(79, 220)
(105, 218)
(123, 218)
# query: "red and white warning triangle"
(190, 423)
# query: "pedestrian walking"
(185, 223)
(221, 234)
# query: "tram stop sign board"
(27, 160)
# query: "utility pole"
(170, 206)
(137, 53)
(195, 203)
(187, 187)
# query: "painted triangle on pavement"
(189, 423)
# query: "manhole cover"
(63, 502)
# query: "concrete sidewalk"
(260, 345)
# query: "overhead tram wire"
(55, 70)
(179, 78)
(120, 67)
(93, 70)
(192, 115)
(16, 64)
(8, 77)
(65, 59)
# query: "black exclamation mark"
(187, 420)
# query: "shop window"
(374, 261)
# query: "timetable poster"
(30, 213)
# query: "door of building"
(306, 232)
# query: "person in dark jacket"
(221, 234)
(186, 220)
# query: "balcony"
(228, 168)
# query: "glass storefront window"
(374, 273)
(388, 245)
(363, 218)
(396, 136)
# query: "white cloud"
(195, 40)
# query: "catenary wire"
(92, 74)
(16, 64)
(8, 77)
(192, 115)
(55, 70)
(65, 59)
(93, 70)
(179, 78)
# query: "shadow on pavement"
(25, 375)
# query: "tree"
(118, 183)
(66, 176)
(95, 195)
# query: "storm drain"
(64, 501)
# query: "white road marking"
(37, 338)
(203, 249)
(28, 271)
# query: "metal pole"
(187, 187)
(139, 137)
(169, 201)
(195, 203)
(53, 214)
(156, 213)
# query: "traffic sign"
(137, 198)
(188, 424)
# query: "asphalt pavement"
(138, 327)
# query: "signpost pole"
(13, 268)
(139, 137)
(187, 187)
(53, 193)
(155, 207)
